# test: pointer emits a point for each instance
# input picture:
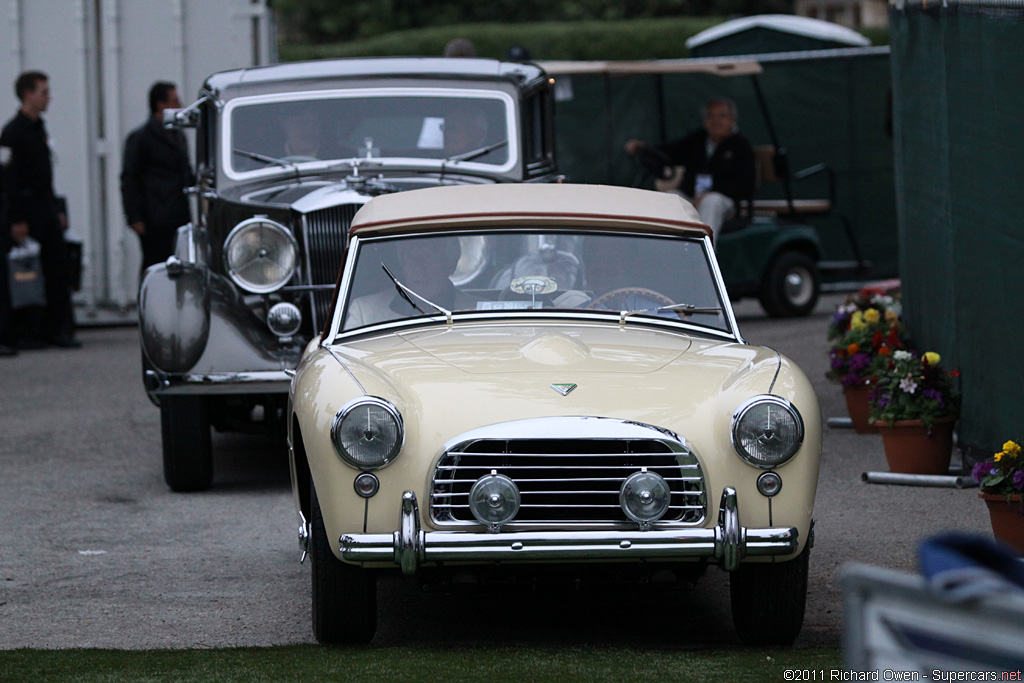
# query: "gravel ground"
(95, 551)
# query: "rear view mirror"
(181, 118)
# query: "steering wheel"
(657, 297)
(654, 163)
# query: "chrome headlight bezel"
(387, 410)
(289, 243)
(785, 451)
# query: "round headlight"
(260, 255)
(767, 431)
(284, 319)
(645, 496)
(494, 499)
(368, 432)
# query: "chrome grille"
(323, 236)
(566, 481)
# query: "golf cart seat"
(773, 167)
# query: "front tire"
(791, 285)
(344, 595)
(768, 600)
(185, 432)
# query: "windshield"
(393, 124)
(606, 273)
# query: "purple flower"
(839, 317)
(851, 380)
(859, 362)
(934, 394)
(837, 363)
(1018, 480)
(883, 399)
(978, 472)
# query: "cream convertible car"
(526, 382)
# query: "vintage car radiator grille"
(324, 234)
(566, 481)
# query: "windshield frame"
(226, 143)
(336, 333)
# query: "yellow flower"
(891, 317)
(932, 358)
(857, 321)
(1011, 449)
(871, 316)
(998, 456)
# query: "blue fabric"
(959, 567)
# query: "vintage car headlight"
(368, 432)
(767, 431)
(260, 255)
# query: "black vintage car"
(286, 155)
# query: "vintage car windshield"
(514, 271)
(411, 125)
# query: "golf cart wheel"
(791, 285)
(344, 595)
(768, 600)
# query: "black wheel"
(791, 285)
(768, 600)
(344, 595)
(185, 428)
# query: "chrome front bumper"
(727, 543)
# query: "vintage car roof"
(412, 67)
(533, 204)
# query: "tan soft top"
(528, 204)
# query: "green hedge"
(585, 40)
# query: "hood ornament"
(563, 389)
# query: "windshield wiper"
(477, 153)
(404, 292)
(682, 310)
(265, 159)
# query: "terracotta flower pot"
(858, 407)
(1007, 518)
(910, 449)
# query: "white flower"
(908, 384)
(902, 355)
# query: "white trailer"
(102, 56)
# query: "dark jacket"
(732, 166)
(27, 175)
(154, 172)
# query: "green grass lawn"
(427, 663)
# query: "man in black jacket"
(154, 172)
(718, 160)
(30, 207)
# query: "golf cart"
(772, 249)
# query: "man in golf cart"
(718, 163)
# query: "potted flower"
(913, 405)
(1002, 488)
(865, 328)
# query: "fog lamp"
(284, 319)
(769, 484)
(494, 500)
(366, 485)
(645, 497)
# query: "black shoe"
(66, 341)
(6, 350)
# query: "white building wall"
(101, 57)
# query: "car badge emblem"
(563, 389)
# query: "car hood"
(468, 376)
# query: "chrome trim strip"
(727, 544)
(334, 354)
(778, 368)
(260, 382)
(723, 294)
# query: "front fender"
(174, 315)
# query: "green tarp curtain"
(958, 103)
